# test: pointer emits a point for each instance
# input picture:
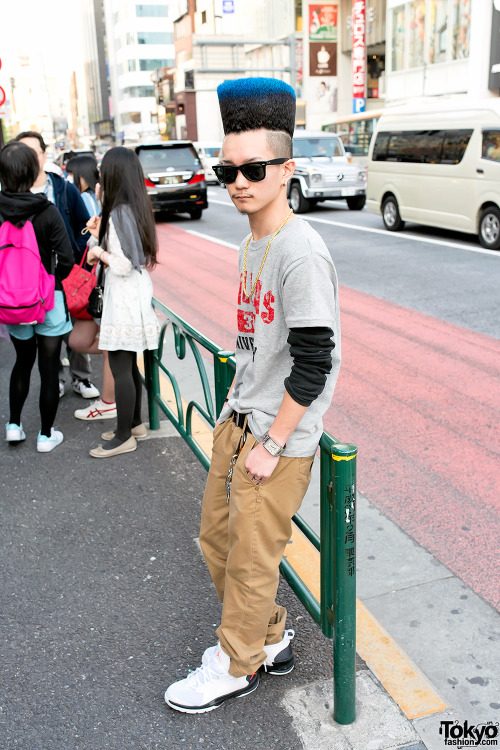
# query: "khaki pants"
(243, 542)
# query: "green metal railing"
(336, 543)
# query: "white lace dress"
(128, 320)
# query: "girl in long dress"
(127, 246)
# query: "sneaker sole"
(99, 418)
(49, 449)
(253, 685)
(279, 669)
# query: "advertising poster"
(322, 59)
(323, 23)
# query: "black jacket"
(74, 212)
(48, 224)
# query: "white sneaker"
(96, 411)
(14, 433)
(279, 656)
(85, 388)
(61, 388)
(209, 686)
(46, 444)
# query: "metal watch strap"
(272, 446)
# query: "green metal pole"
(152, 378)
(223, 377)
(344, 637)
(327, 542)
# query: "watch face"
(272, 447)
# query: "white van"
(439, 165)
(210, 154)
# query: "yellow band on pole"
(343, 458)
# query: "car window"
(422, 146)
(178, 157)
(491, 145)
(455, 143)
(313, 147)
(212, 152)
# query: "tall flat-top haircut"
(255, 103)
(19, 167)
(122, 183)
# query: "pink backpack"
(26, 289)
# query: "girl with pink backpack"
(29, 224)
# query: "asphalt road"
(418, 390)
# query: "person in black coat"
(68, 200)
(18, 171)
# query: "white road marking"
(213, 239)
(393, 235)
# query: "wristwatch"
(272, 446)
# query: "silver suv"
(323, 172)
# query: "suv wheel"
(196, 213)
(489, 228)
(356, 203)
(390, 214)
(297, 201)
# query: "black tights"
(128, 394)
(49, 349)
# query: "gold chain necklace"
(263, 259)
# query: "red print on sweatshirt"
(246, 318)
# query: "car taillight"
(197, 177)
(148, 183)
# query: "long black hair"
(84, 166)
(122, 182)
(19, 167)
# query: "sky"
(41, 26)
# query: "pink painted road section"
(419, 397)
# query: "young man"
(287, 362)
(69, 202)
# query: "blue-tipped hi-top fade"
(253, 103)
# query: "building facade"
(97, 89)
(140, 41)
(438, 47)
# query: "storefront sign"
(358, 55)
(322, 59)
(228, 6)
(323, 23)
(494, 77)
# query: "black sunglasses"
(255, 171)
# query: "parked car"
(174, 177)
(323, 172)
(439, 164)
(210, 154)
(63, 158)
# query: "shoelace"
(205, 673)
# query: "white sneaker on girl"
(46, 444)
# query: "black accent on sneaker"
(253, 684)
(283, 662)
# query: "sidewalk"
(106, 601)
